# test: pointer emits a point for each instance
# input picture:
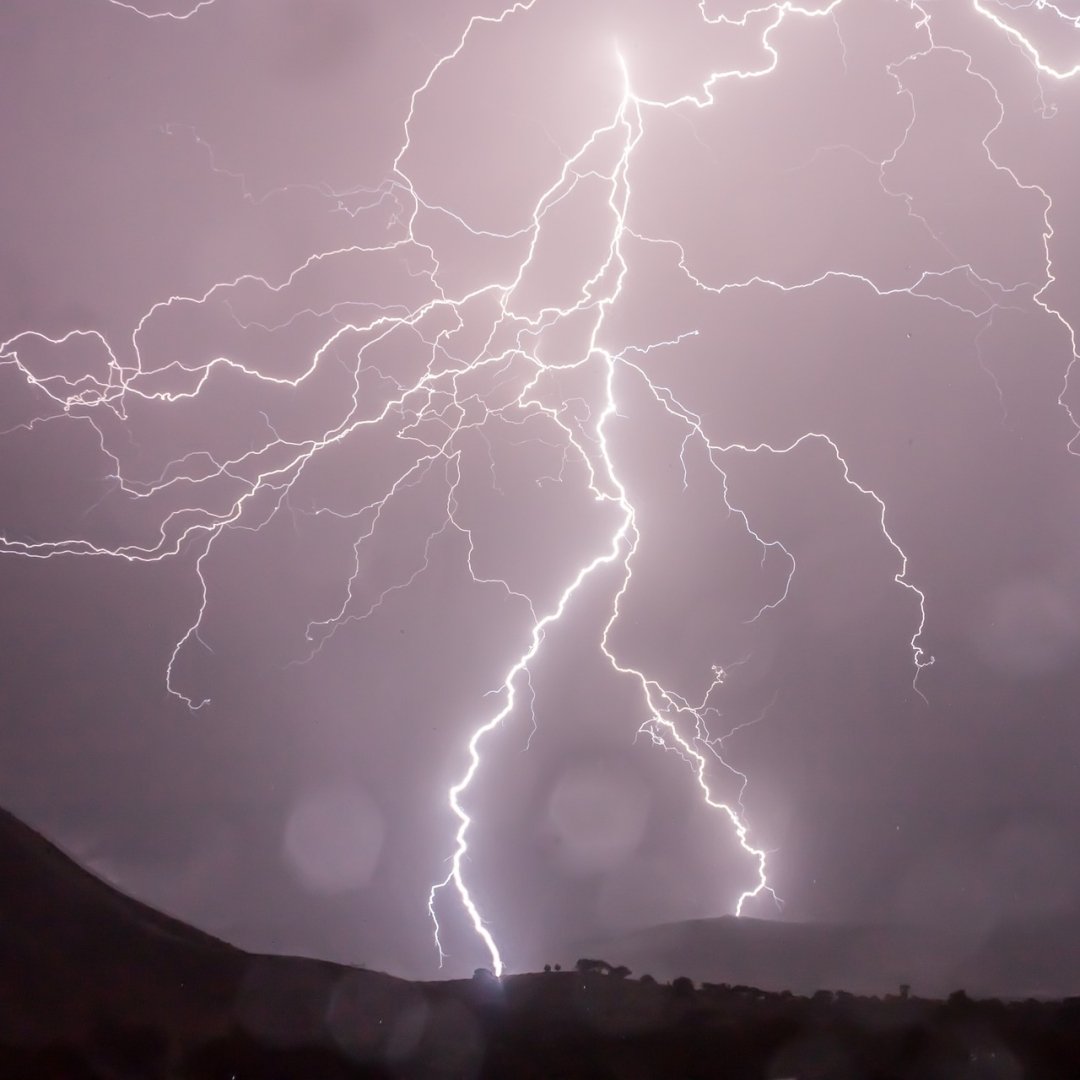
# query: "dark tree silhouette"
(584, 965)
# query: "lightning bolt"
(171, 15)
(1022, 41)
(461, 392)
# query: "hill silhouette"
(72, 948)
(77, 957)
(1011, 960)
(96, 986)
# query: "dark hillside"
(96, 986)
(73, 949)
(75, 954)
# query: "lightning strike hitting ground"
(436, 410)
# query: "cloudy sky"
(366, 361)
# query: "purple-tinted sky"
(364, 377)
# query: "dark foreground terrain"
(95, 985)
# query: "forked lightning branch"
(438, 409)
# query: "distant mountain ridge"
(1010, 961)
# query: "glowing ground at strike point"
(438, 402)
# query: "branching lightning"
(174, 16)
(439, 408)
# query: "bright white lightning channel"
(269, 471)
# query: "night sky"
(343, 336)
